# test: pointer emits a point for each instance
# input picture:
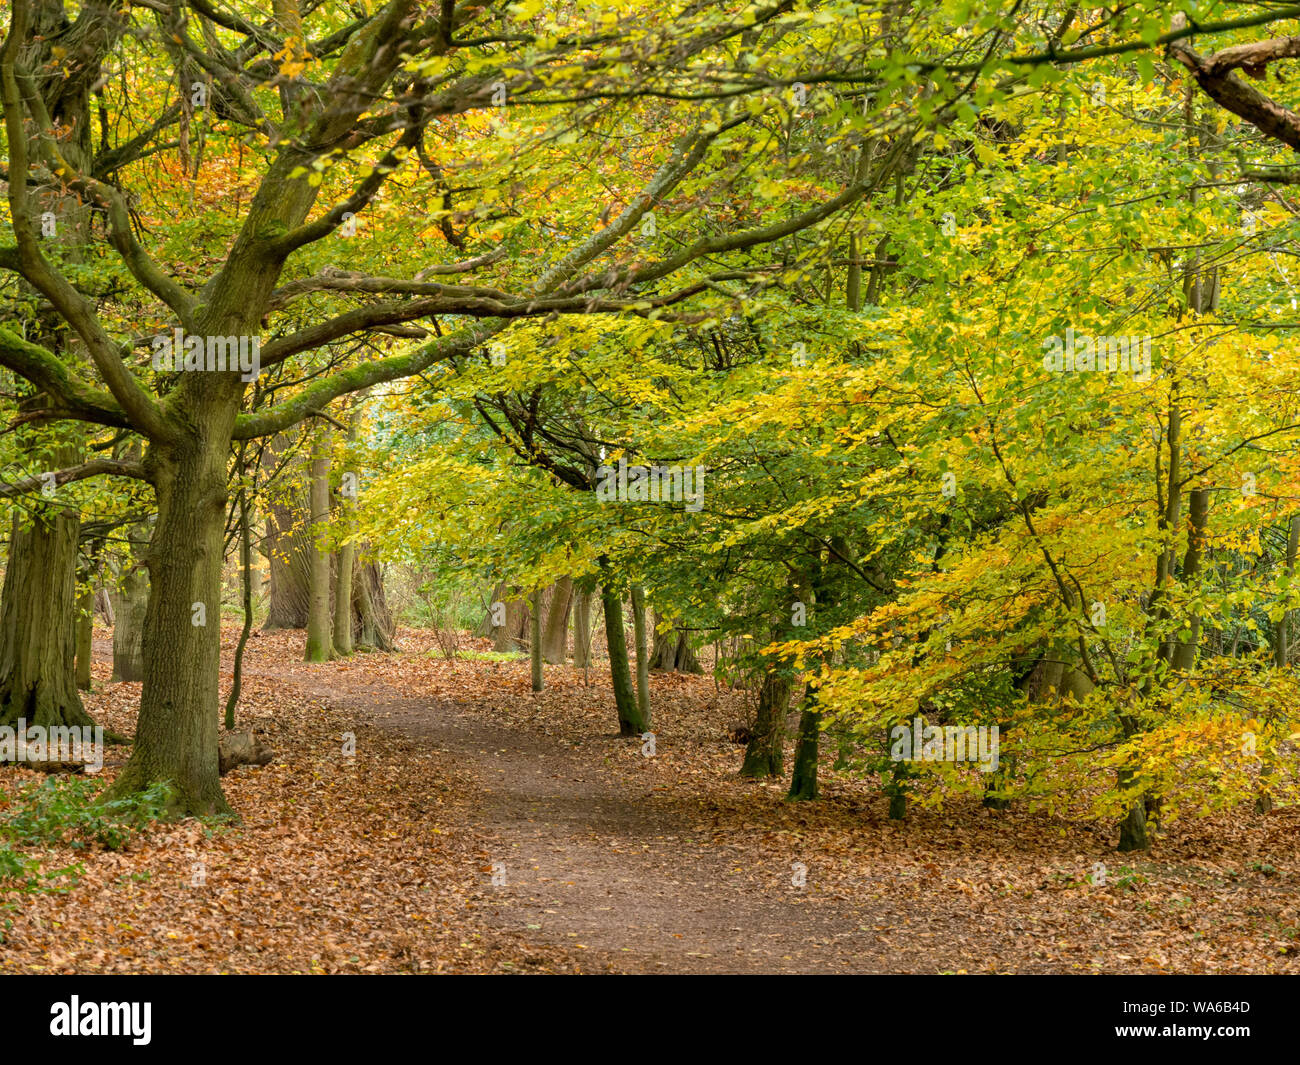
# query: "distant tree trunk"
(803, 784)
(319, 644)
(104, 606)
(485, 627)
(582, 626)
(511, 636)
(288, 546)
(373, 619)
(672, 651)
(535, 640)
(765, 754)
(343, 599)
(555, 637)
(631, 722)
(1133, 829)
(85, 636)
(642, 651)
(132, 596)
(37, 623)
(246, 573)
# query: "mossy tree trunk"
(803, 782)
(176, 734)
(631, 721)
(38, 622)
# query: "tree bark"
(555, 636)
(246, 574)
(765, 754)
(375, 627)
(535, 640)
(582, 626)
(803, 783)
(85, 636)
(131, 601)
(319, 646)
(672, 652)
(176, 734)
(345, 557)
(631, 721)
(288, 548)
(642, 651)
(38, 623)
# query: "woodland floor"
(613, 861)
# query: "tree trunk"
(246, 581)
(288, 549)
(38, 623)
(128, 633)
(803, 783)
(631, 722)
(582, 626)
(535, 640)
(642, 651)
(343, 599)
(555, 637)
(320, 646)
(1133, 828)
(85, 636)
(672, 651)
(374, 621)
(176, 735)
(104, 606)
(765, 754)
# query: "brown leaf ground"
(612, 861)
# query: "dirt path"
(610, 867)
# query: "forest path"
(614, 867)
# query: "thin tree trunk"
(535, 640)
(319, 644)
(85, 636)
(642, 651)
(246, 566)
(582, 626)
(346, 557)
(631, 721)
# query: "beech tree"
(325, 109)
